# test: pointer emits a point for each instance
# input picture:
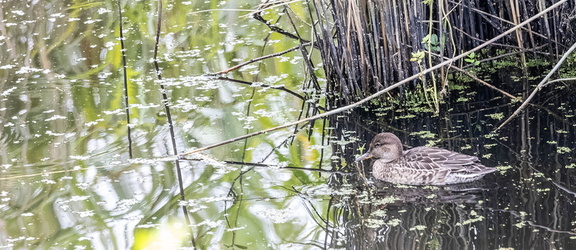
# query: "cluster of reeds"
(368, 45)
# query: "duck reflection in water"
(421, 165)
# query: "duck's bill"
(364, 157)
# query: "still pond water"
(67, 181)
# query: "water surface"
(67, 181)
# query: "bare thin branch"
(253, 60)
(170, 122)
(126, 96)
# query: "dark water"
(527, 204)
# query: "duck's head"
(384, 146)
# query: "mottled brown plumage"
(421, 165)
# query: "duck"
(421, 165)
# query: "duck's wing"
(437, 158)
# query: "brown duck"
(421, 165)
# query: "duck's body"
(421, 165)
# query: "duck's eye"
(378, 144)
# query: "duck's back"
(438, 157)
(432, 166)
